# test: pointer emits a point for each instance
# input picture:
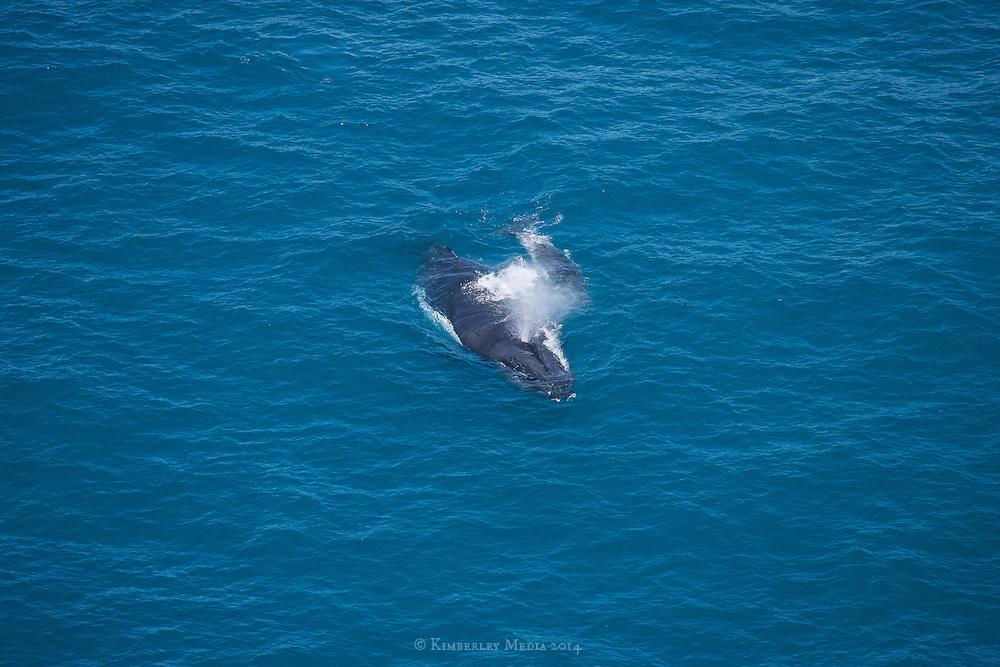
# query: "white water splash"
(434, 315)
(535, 304)
(554, 343)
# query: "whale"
(510, 314)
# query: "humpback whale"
(511, 314)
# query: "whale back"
(445, 278)
(491, 322)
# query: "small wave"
(434, 315)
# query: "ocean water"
(230, 434)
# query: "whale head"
(534, 365)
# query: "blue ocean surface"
(229, 433)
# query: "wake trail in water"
(435, 316)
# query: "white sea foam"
(434, 315)
(554, 344)
(531, 239)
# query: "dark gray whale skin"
(482, 328)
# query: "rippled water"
(230, 433)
